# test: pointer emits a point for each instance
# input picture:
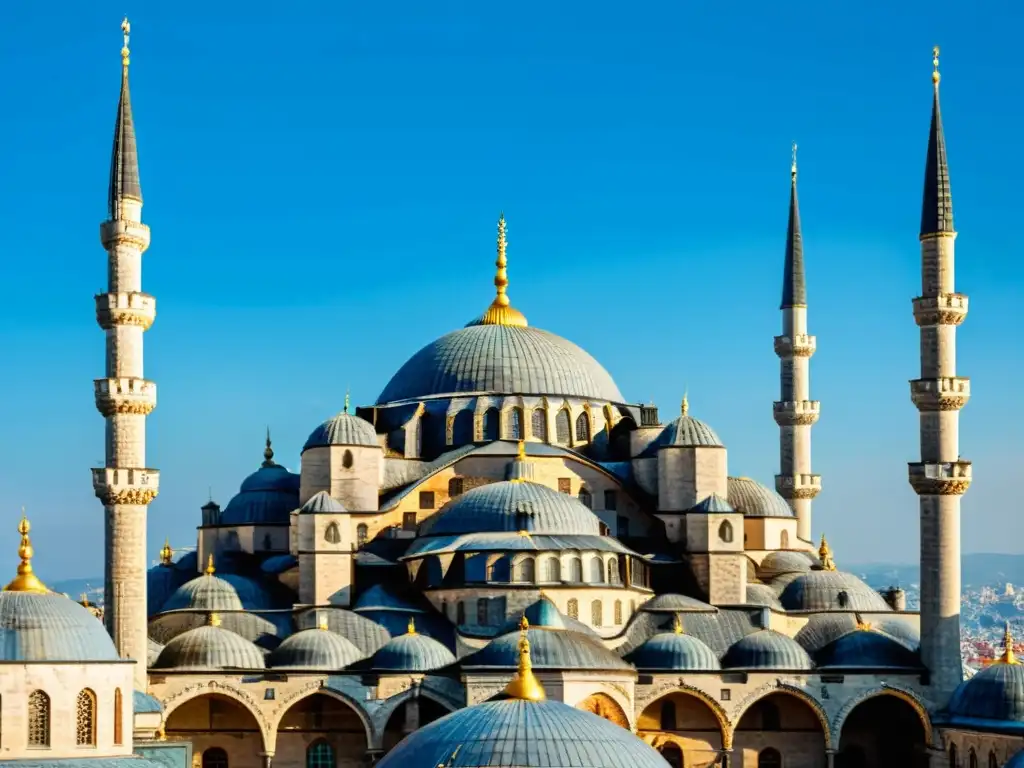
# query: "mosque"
(503, 561)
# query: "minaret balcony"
(798, 486)
(133, 308)
(797, 345)
(122, 232)
(951, 478)
(125, 486)
(796, 413)
(945, 309)
(948, 393)
(127, 396)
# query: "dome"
(756, 500)
(767, 649)
(208, 648)
(509, 507)
(543, 613)
(314, 649)
(268, 495)
(523, 734)
(674, 652)
(501, 359)
(153, 649)
(224, 592)
(866, 648)
(672, 603)
(777, 563)
(549, 649)
(161, 582)
(713, 504)
(831, 591)
(687, 431)
(38, 626)
(994, 693)
(411, 652)
(343, 429)
(762, 594)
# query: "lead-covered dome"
(825, 590)
(755, 500)
(411, 652)
(50, 627)
(674, 652)
(268, 495)
(549, 649)
(224, 592)
(686, 431)
(314, 649)
(210, 648)
(865, 648)
(343, 429)
(994, 693)
(767, 649)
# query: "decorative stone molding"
(123, 232)
(947, 393)
(798, 486)
(680, 686)
(946, 309)
(796, 413)
(790, 690)
(198, 689)
(885, 689)
(320, 686)
(125, 396)
(125, 486)
(940, 479)
(798, 345)
(133, 308)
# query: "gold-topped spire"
(825, 555)
(792, 168)
(213, 619)
(501, 311)
(684, 406)
(864, 626)
(1008, 657)
(677, 625)
(210, 570)
(166, 553)
(935, 66)
(323, 623)
(411, 629)
(26, 580)
(126, 30)
(525, 685)
(521, 451)
(85, 600)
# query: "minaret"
(795, 412)
(941, 476)
(125, 397)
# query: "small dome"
(37, 626)
(762, 594)
(321, 503)
(777, 563)
(756, 500)
(268, 495)
(525, 734)
(509, 507)
(314, 649)
(687, 431)
(672, 603)
(767, 649)
(223, 592)
(146, 704)
(343, 429)
(713, 504)
(543, 614)
(209, 648)
(674, 652)
(867, 648)
(412, 652)
(903, 631)
(831, 591)
(995, 693)
(549, 649)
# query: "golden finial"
(166, 553)
(935, 66)
(677, 625)
(85, 600)
(525, 685)
(792, 168)
(1008, 657)
(268, 452)
(347, 401)
(126, 29)
(323, 623)
(213, 619)
(825, 555)
(26, 580)
(501, 311)
(521, 451)
(864, 626)
(684, 406)
(411, 629)
(210, 570)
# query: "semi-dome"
(673, 603)
(824, 590)
(210, 647)
(314, 649)
(223, 592)
(411, 652)
(755, 500)
(343, 429)
(866, 648)
(550, 649)
(767, 649)
(674, 652)
(785, 561)
(268, 495)
(686, 431)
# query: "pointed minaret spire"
(794, 290)
(124, 160)
(937, 204)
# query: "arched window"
(332, 535)
(362, 534)
(347, 462)
(585, 498)
(232, 544)
(972, 758)
(583, 428)
(784, 540)
(460, 613)
(596, 613)
(462, 429)
(552, 569)
(673, 754)
(613, 570)
(539, 425)
(725, 531)
(515, 424)
(572, 608)
(118, 718)
(455, 487)
(576, 570)
(38, 719)
(491, 424)
(953, 762)
(525, 571)
(481, 612)
(85, 718)
(769, 758)
(320, 754)
(597, 571)
(562, 435)
(215, 757)
(993, 762)
(668, 716)
(618, 613)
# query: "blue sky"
(322, 188)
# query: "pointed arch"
(782, 688)
(515, 424)
(563, 435)
(886, 690)
(604, 706)
(324, 705)
(38, 719)
(118, 718)
(583, 428)
(332, 534)
(663, 710)
(215, 757)
(490, 425)
(539, 424)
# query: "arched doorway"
(411, 715)
(780, 729)
(690, 721)
(673, 754)
(317, 728)
(603, 705)
(223, 732)
(884, 731)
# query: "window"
(38, 719)
(320, 754)
(491, 422)
(725, 531)
(622, 526)
(843, 598)
(613, 570)
(455, 487)
(562, 436)
(409, 521)
(585, 497)
(784, 540)
(460, 613)
(332, 535)
(596, 613)
(576, 570)
(583, 428)
(525, 571)
(346, 462)
(668, 716)
(769, 758)
(618, 613)
(462, 429)
(770, 718)
(673, 754)
(972, 758)
(552, 569)
(611, 500)
(118, 715)
(953, 762)
(481, 612)
(85, 718)
(215, 757)
(426, 499)
(565, 485)
(993, 762)
(539, 424)
(597, 571)
(572, 608)
(515, 424)
(362, 534)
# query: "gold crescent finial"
(501, 311)
(323, 623)
(411, 629)
(684, 406)
(1008, 657)
(677, 625)
(213, 619)
(126, 29)
(166, 553)
(792, 169)
(26, 580)
(525, 684)
(210, 570)
(935, 65)
(825, 555)
(521, 450)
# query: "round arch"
(392, 705)
(883, 727)
(210, 712)
(904, 696)
(786, 690)
(717, 713)
(348, 701)
(604, 706)
(319, 714)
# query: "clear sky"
(323, 185)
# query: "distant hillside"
(978, 570)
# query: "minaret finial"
(26, 580)
(684, 406)
(501, 311)
(411, 628)
(525, 684)
(937, 203)
(521, 450)
(792, 169)
(825, 555)
(348, 401)
(935, 66)
(213, 619)
(166, 553)
(1008, 657)
(677, 625)
(126, 29)
(268, 452)
(210, 570)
